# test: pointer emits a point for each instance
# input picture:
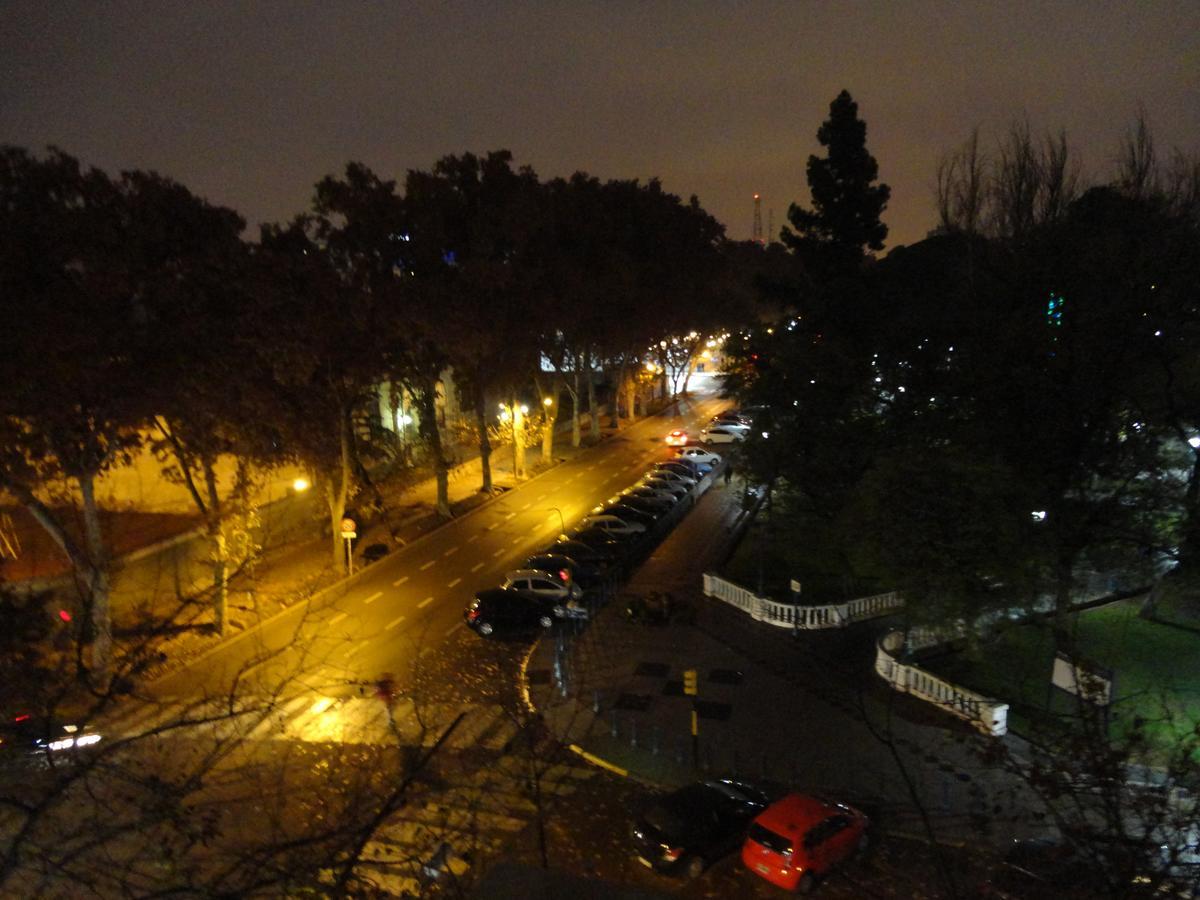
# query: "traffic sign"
(349, 528)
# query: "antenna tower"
(757, 236)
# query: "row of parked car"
(792, 840)
(555, 584)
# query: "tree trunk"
(220, 552)
(337, 488)
(99, 614)
(620, 385)
(593, 421)
(485, 445)
(576, 428)
(433, 442)
(518, 438)
(630, 399)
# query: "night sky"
(250, 103)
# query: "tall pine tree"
(844, 221)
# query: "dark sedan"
(589, 554)
(498, 611)
(566, 568)
(690, 829)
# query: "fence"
(990, 716)
(793, 615)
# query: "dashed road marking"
(337, 619)
(397, 582)
(451, 551)
(498, 553)
(453, 628)
(510, 516)
(375, 596)
(526, 506)
(392, 624)
(473, 537)
(517, 540)
(476, 567)
(454, 582)
(424, 603)
(425, 566)
(541, 497)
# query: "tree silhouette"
(844, 221)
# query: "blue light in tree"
(1054, 309)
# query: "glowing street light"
(300, 485)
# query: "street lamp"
(562, 527)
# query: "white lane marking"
(473, 537)
(424, 603)
(517, 540)
(392, 624)
(337, 619)
(454, 582)
(451, 551)
(397, 582)
(428, 564)
(453, 628)
(476, 567)
(541, 497)
(490, 527)
(526, 506)
(510, 516)
(375, 596)
(499, 552)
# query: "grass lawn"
(1156, 669)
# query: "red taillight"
(473, 615)
(565, 575)
(21, 718)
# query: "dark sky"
(250, 103)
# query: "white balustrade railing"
(793, 615)
(986, 714)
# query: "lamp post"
(561, 524)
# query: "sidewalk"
(799, 709)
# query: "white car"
(537, 583)
(674, 471)
(700, 456)
(612, 524)
(723, 434)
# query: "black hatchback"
(497, 611)
(690, 829)
(566, 568)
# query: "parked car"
(675, 471)
(584, 552)
(613, 524)
(628, 512)
(676, 488)
(537, 583)
(1054, 868)
(723, 434)
(647, 500)
(567, 568)
(733, 417)
(42, 740)
(497, 611)
(689, 829)
(677, 438)
(699, 456)
(647, 492)
(618, 545)
(799, 839)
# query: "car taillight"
(472, 615)
(565, 575)
(672, 853)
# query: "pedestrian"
(728, 472)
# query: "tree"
(844, 222)
(72, 326)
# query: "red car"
(800, 839)
(677, 438)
